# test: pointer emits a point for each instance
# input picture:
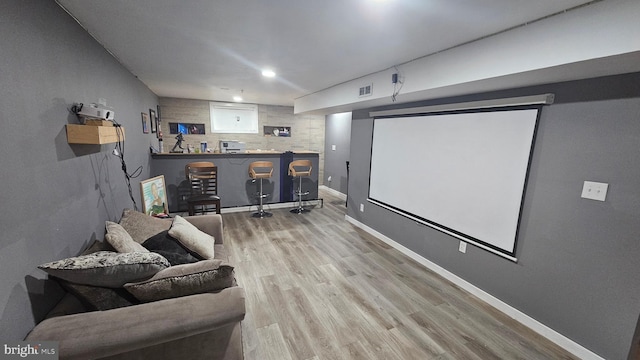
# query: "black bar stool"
(300, 169)
(261, 170)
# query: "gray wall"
(578, 259)
(55, 196)
(337, 131)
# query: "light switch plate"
(333, 147)
(462, 247)
(595, 190)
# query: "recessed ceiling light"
(237, 98)
(268, 73)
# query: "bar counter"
(235, 188)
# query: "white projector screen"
(462, 173)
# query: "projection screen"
(462, 173)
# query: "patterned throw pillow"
(107, 269)
(182, 280)
(192, 238)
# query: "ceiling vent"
(365, 90)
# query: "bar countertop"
(246, 152)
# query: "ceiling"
(214, 50)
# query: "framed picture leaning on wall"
(154, 196)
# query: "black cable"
(396, 90)
(120, 154)
(76, 108)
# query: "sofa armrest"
(105, 333)
(211, 224)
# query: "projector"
(94, 112)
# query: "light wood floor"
(319, 288)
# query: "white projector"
(94, 112)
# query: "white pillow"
(192, 238)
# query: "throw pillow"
(120, 239)
(141, 226)
(170, 248)
(107, 269)
(98, 246)
(183, 280)
(192, 238)
(99, 298)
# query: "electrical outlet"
(361, 207)
(462, 247)
(594, 190)
(329, 178)
(333, 148)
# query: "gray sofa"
(200, 326)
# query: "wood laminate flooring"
(319, 288)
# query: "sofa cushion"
(170, 248)
(198, 242)
(68, 305)
(183, 280)
(99, 298)
(141, 226)
(120, 239)
(107, 269)
(221, 252)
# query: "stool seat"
(259, 170)
(300, 171)
(203, 197)
(261, 173)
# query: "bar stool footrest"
(299, 211)
(261, 214)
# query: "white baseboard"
(559, 339)
(268, 207)
(333, 192)
(291, 204)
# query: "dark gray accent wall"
(56, 197)
(337, 132)
(578, 259)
